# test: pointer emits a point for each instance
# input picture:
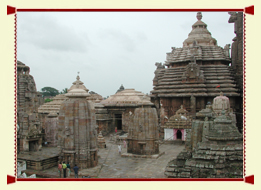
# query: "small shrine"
(176, 128)
(77, 136)
(101, 141)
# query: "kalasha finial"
(78, 78)
(199, 16)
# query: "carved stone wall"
(28, 100)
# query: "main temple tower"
(194, 74)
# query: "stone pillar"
(193, 105)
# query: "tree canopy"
(49, 91)
(64, 91)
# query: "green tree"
(47, 100)
(49, 91)
(64, 91)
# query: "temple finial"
(199, 16)
(78, 78)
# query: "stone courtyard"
(112, 165)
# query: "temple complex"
(29, 134)
(177, 127)
(194, 74)
(77, 136)
(121, 104)
(214, 148)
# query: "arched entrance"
(179, 134)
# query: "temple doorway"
(179, 134)
(118, 121)
(33, 145)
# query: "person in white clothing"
(119, 147)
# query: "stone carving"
(193, 73)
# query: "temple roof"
(199, 44)
(77, 90)
(216, 78)
(78, 84)
(53, 106)
(127, 97)
(199, 34)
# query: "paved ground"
(112, 165)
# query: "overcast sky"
(107, 48)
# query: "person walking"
(69, 169)
(76, 169)
(64, 169)
(124, 143)
(60, 169)
(119, 147)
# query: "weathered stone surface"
(193, 75)
(217, 153)
(143, 133)
(30, 134)
(77, 136)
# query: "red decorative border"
(15, 91)
(248, 10)
(12, 10)
(244, 93)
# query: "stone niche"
(77, 136)
(143, 134)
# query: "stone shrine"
(101, 141)
(29, 135)
(214, 148)
(143, 132)
(193, 75)
(103, 119)
(77, 136)
(177, 127)
(48, 113)
(121, 104)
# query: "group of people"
(63, 168)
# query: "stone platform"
(154, 156)
(40, 160)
